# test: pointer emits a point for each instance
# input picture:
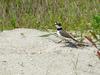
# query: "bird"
(63, 34)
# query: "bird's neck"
(59, 29)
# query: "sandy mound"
(24, 52)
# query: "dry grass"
(41, 14)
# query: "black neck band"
(59, 28)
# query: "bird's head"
(58, 26)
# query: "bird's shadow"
(75, 45)
(71, 44)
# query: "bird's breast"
(59, 35)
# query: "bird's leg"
(63, 40)
(66, 40)
(60, 41)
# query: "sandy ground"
(24, 52)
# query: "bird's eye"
(55, 23)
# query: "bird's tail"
(73, 38)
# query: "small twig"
(88, 38)
(46, 35)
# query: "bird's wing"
(67, 35)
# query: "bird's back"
(66, 35)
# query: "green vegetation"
(77, 15)
(96, 23)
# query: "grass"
(42, 14)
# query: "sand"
(24, 52)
